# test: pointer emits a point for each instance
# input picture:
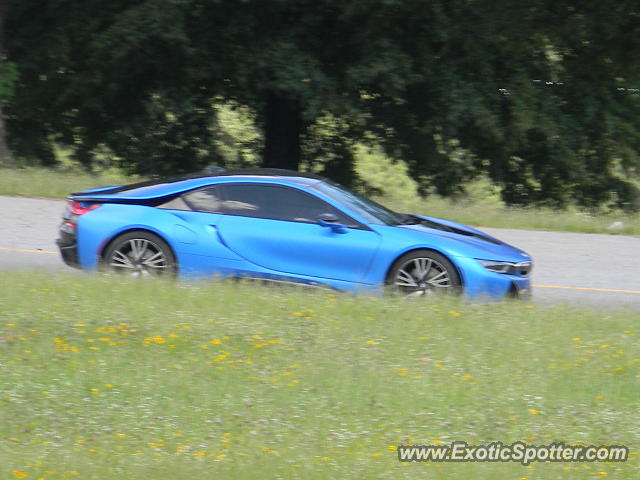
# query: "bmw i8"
(282, 226)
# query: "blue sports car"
(282, 226)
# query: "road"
(591, 269)
(593, 265)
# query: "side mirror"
(331, 220)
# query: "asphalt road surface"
(591, 269)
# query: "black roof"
(209, 172)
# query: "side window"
(205, 200)
(277, 203)
(175, 204)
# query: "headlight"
(521, 268)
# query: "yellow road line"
(24, 250)
(612, 290)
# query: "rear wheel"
(423, 272)
(140, 254)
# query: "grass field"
(55, 183)
(471, 212)
(109, 379)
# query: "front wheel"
(423, 272)
(140, 254)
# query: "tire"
(423, 272)
(140, 254)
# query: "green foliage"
(383, 177)
(103, 378)
(171, 137)
(538, 97)
(483, 73)
(237, 138)
(8, 78)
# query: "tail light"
(77, 208)
(74, 210)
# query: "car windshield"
(371, 211)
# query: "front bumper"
(480, 282)
(520, 289)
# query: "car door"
(195, 234)
(276, 227)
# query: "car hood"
(470, 241)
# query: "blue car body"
(354, 257)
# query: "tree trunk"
(283, 128)
(6, 158)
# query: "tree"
(526, 92)
(7, 74)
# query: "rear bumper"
(68, 248)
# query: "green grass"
(109, 379)
(56, 183)
(478, 213)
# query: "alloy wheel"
(422, 276)
(138, 257)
